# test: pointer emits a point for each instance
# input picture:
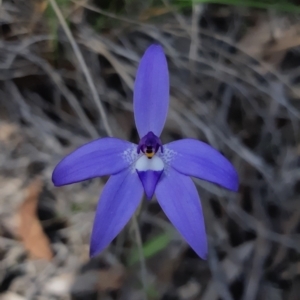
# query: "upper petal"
(194, 158)
(119, 199)
(178, 197)
(100, 157)
(151, 92)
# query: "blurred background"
(234, 73)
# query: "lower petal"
(119, 199)
(178, 197)
(149, 171)
(149, 180)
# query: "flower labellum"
(149, 167)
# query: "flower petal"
(100, 157)
(119, 199)
(178, 197)
(151, 92)
(149, 180)
(149, 171)
(194, 158)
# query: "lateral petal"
(151, 92)
(101, 157)
(178, 197)
(194, 158)
(119, 199)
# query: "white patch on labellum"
(146, 164)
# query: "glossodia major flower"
(149, 167)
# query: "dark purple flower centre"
(149, 144)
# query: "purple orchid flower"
(148, 167)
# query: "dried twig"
(83, 66)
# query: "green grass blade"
(151, 248)
(282, 5)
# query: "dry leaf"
(11, 296)
(256, 38)
(7, 131)
(30, 230)
(60, 285)
(40, 6)
(111, 279)
(269, 41)
(102, 280)
(153, 12)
